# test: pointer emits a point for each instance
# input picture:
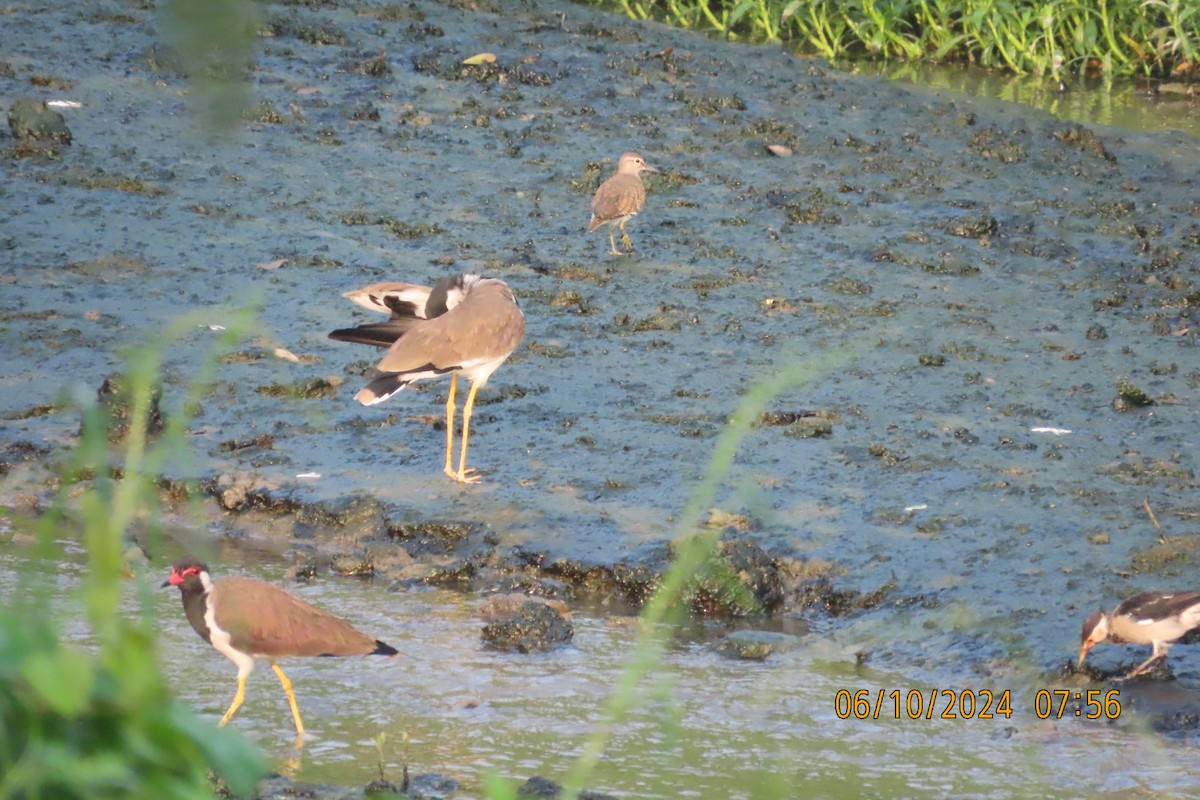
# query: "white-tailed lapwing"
(1153, 618)
(619, 199)
(247, 619)
(467, 324)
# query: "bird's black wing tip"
(383, 649)
(380, 334)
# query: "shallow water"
(703, 725)
(1129, 105)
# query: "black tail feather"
(380, 334)
(382, 649)
(381, 388)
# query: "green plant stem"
(694, 546)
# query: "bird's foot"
(1144, 669)
(627, 242)
(466, 475)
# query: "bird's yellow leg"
(612, 242)
(465, 475)
(287, 689)
(449, 469)
(625, 240)
(238, 699)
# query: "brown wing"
(265, 620)
(619, 196)
(487, 324)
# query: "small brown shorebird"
(466, 324)
(1153, 618)
(247, 619)
(620, 198)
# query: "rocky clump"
(754, 645)
(537, 786)
(118, 406)
(525, 624)
(30, 119)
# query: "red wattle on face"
(175, 578)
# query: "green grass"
(101, 722)
(1041, 37)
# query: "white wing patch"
(221, 639)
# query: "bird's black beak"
(165, 584)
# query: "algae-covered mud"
(985, 316)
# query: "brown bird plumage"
(619, 199)
(467, 324)
(247, 619)
(291, 628)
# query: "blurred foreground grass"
(101, 722)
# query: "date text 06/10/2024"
(930, 704)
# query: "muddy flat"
(980, 319)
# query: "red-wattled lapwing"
(466, 324)
(620, 198)
(1153, 618)
(248, 619)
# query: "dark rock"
(820, 593)
(312, 389)
(526, 625)
(33, 119)
(502, 606)
(352, 564)
(973, 226)
(1130, 396)
(431, 538)
(1085, 139)
(754, 645)
(454, 573)
(430, 786)
(810, 428)
(530, 585)
(636, 581)
(117, 404)
(743, 579)
(381, 787)
(538, 786)
(234, 491)
(18, 452)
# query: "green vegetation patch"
(1038, 37)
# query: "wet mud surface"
(1001, 306)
